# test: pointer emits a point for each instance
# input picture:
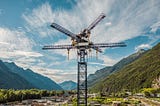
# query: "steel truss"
(82, 43)
(82, 78)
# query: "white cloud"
(5, 43)
(40, 16)
(15, 46)
(28, 54)
(155, 27)
(14, 40)
(127, 20)
(15, 43)
(124, 20)
(108, 60)
(94, 63)
(63, 77)
(39, 20)
(143, 46)
(57, 75)
(108, 24)
(72, 52)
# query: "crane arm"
(103, 45)
(94, 23)
(65, 31)
(58, 47)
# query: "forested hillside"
(102, 73)
(135, 76)
(12, 80)
(15, 77)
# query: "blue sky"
(25, 28)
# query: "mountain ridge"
(15, 77)
(12, 80)
(68, 85)
(100, 74)
(39, 81)
(135, 76)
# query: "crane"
(82, 43)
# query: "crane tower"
(83, 45)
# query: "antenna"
(83, 45)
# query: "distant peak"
(69, 81)
(12, 63)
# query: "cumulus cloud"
(15, 43)
(108, 61)
(14, 40)
(15, 46)
(57, 75)
(143, 46)
(63, 77)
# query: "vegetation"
(133, 77)
(155, 99)
(68, 85)
(104, 72)
(110, 100)
(37, 81)
(9, 79)
(19, 95)
(150, 92)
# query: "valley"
(79, 53)
(98, 95)
(92, 101)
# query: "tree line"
(12, 95)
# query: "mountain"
(68, 85)
(39, 81)
(102, 73)
(9, 79)
(141, 73)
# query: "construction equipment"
(83, 45)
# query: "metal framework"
(82, 43)
(82, 77)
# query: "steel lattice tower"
(82, 43)
(82, 77)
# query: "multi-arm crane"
(82, 43)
